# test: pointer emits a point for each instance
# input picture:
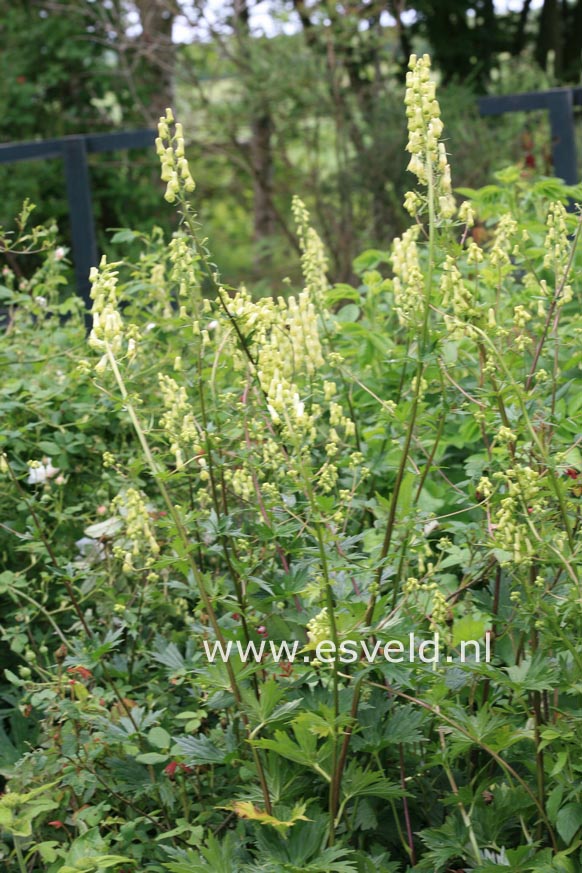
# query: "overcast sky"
(262, 21)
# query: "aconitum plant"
(332, 620)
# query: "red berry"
(170, 769)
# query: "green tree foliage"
(60, 76)
(283, 98)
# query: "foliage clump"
(349, 468)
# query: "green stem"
(558, 293)
(334, 783)
(369, 615)
(464, 814)
(535, 438)
(183, 535)
(437, 711)
(19, 856)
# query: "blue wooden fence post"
(559, 103)
(74, 150)
(80, 213)
(561, 111)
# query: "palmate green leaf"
(21, 825)
(88, 854)
(365, 818)
(123, 235)
(195, 867)
(368, 783)
(303, 751)
(551, 188)
(303, 842)
(283, 712)
(199, 750)
(376, 729)
(456, 557)
(215, 857)
(533, 674)
(445, 844)
(265, 710)
(367, 863)
(302, 851)
(190, 867)
(271, 693)
(128, 775)
(332, 860)
(168, 654)
(525, 859)
(494, 730)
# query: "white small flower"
(36, 476)
(274, 414)
(42, 301)
(59, 253)
(39, 473)
(212, 325)
(298, 406)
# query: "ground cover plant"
(349, 464)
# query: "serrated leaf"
(170, 656)
(247, 810)
(199, 750)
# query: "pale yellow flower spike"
(428, 157)
(170, 150)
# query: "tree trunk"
(573, 43)
(261, 144)
(262, 164)
(520, 33)
(550, 35)
(157, 54)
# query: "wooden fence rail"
(73, 150)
